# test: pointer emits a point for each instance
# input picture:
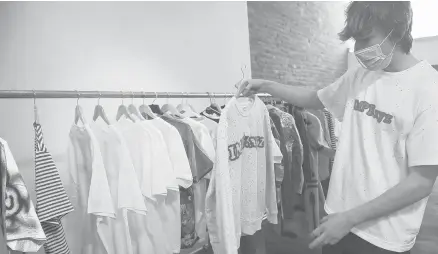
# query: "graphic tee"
(200, 164)
(23, 228)
(242, 186)
(3, 170)
(389, 123)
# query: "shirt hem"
(375, 240)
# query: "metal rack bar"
(59, 94)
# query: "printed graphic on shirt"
(189, 237)
(380, 116)
(16, 202)
(236, 149)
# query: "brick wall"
(296, 43)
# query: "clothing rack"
(77, 94)
(60, 94)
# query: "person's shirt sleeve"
(334, 97)
(422, 141)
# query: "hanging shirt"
(211, 126)
(3, 170)
(211, 114)
(183, 177)
(389, 124)
(242, 186)
(52, 202)
(124, 187)
(203, 138)
(200, 165)
(312, 186)
(147, 232)
(91, 196)
(23, 228)
(315, 135)
(332, 132)
(292, 150)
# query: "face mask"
(372, 58)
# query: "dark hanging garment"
(292, 150)
(311, 190)
(211, 114)
(155, 109)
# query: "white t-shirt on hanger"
(91, 197)
(124, 187)
(147, 233)
(184, 178)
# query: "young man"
(387, 160)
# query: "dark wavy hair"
(362, 17)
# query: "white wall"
(150, 46)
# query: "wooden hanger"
(79, 115)
(132, 109)
(145, 109)
(100, 112)
(123, 111)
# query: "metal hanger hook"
(168, 96)
(34, 98)
(78, 94)
(209, 95)
(132, 98)
(156, 97)
(143, 94)
(242, 69)
(98, 99)
(123, 99)
(182, 97)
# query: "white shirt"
(242, 187)
(389, 123)
(183, 177)
(91, 199)
(146, 146)
(124, 187)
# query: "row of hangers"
(131, 111)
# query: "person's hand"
(252, 86)
(332, 229)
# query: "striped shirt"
(52, 201)
(331, 127)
